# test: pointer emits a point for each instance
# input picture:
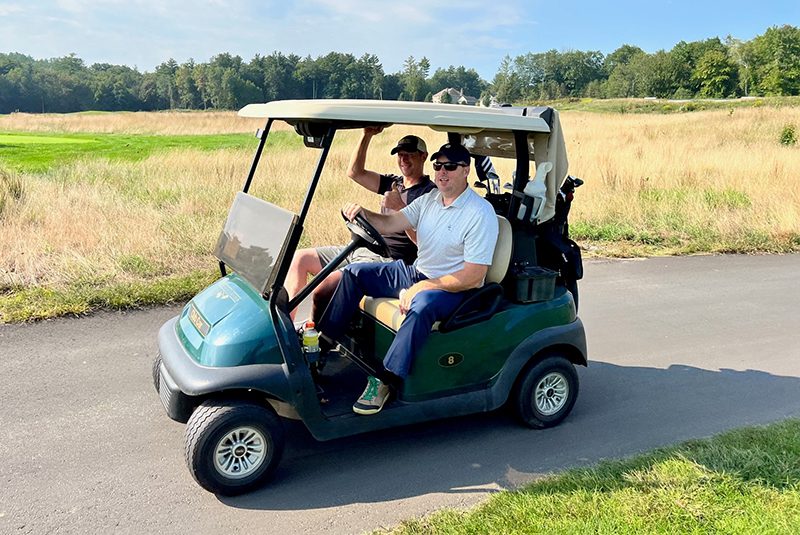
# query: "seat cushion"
(387, 311)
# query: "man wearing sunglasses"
(456, 234)
(397, 191)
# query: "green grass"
(82, 297)
(745, 481)
(36, 153)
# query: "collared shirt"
(448, 236)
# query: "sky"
(474, 33)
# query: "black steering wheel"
(363, 231)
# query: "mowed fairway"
(118, 210)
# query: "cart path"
(679, 348)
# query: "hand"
(351, 210)
(392, 199)
(408, 294)
(370, 131)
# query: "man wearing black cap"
(456, 232)
(397, 191)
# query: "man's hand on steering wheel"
(351, 210)
(361, 229)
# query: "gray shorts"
(362, 254)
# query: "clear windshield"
(254, 239)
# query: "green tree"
(414, 77)
(717, 75)
(460, 78)
(776, 56)
(506, 84)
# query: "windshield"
(254, 239)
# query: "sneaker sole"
(367, 412)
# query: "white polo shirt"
(448, 236)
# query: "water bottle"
(310, 341)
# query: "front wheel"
(546, 392)
(232, 447)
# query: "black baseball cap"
(453, 152)
(410, 144)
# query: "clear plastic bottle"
(310, 340)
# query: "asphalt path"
(679, 348)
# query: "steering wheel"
(363, 231)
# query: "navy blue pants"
(386, 280)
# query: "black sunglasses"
(448, 166)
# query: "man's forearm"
(387, 223)
(464, 279)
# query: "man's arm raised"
(364, 177)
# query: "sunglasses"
(448, 166)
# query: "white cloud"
(9, 9)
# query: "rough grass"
(128, 208)
(745, 481)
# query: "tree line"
(767, 65)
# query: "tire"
(545, 392)
(232, 447)
(156, 373)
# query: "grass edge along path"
(38, 303)
(742, 481)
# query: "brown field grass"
(655, 184)
(166, 122)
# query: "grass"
(37, 153)
(89, 201)
(745, 481)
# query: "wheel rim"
(240, 453)
(551, 393)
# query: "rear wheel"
(546, 392)
(232, 447)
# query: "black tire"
(555, 382)
(156, 373)
(216, 426)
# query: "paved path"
(679, 348)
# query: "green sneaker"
(373, 398)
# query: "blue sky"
(473, 33)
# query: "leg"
(305, 262)
(322, 294)
(426, 309)
(358, 280)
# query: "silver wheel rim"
(551, 393)
(240, 453)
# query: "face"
(451, 183)
(411, 164)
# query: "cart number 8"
(450, 360)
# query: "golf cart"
(232, 364)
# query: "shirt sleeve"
(482, 237)
(413, 210)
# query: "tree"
(716, 74)
(506, 84)
(413, 78)
(461, 78)
(776, 56)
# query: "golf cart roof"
(441, 117)
(485, 131)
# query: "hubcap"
(240, 453)
(551, 393)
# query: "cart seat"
(387, 309)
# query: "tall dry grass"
(700, 181)
(161, 122)
(716, 178)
